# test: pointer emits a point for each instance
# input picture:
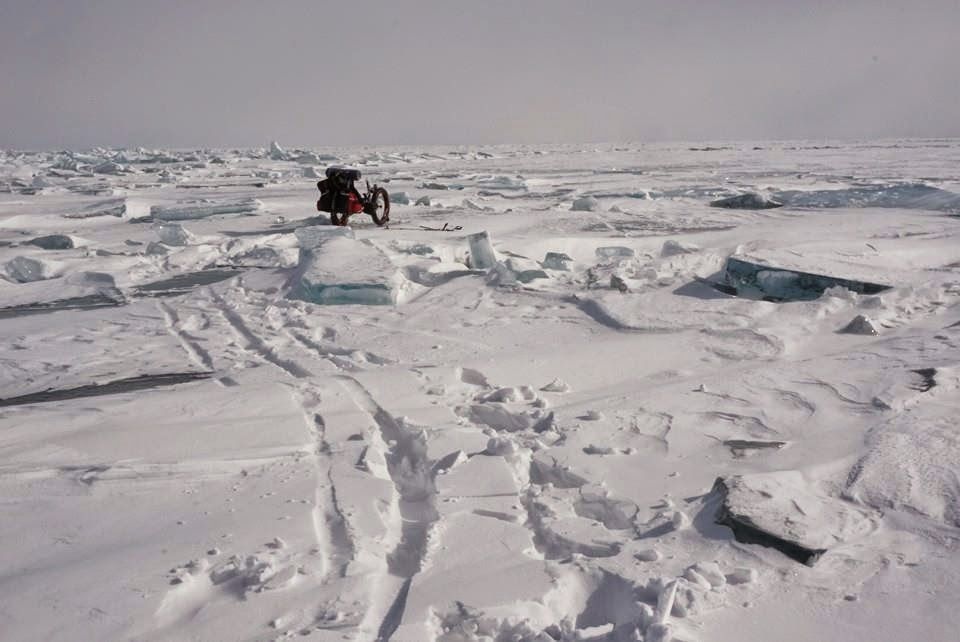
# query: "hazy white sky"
(183, 73)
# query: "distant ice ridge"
(187, 210)
(337, 269)
(917, 196)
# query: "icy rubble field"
(536, 444)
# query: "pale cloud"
(242, 72)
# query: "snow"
(207, 433)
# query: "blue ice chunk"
(615, 252)
(756, 280)
(337, 269)
(482, 256)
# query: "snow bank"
(911, 465)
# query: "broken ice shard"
(23, 269)
(614, 252)
(748, 201)
(760, 281)
(585, 204)
(174, 234)
(782, 510)
(556, 261)
(482, 256)
(202, 209)
(53, 242)
(859, 325)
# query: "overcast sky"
(186, 73)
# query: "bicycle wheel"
(380, 212)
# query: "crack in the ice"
(117, 386)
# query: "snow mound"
(337, 269)
(911, 466)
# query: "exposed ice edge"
(754, 278)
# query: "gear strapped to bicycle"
(340, 198)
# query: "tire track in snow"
(334, 544)
(255, 344)
(329, 525)
(339, 358)
(412, 476)
(197, 354)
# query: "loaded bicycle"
(341, 199)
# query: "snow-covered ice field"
(192, 448)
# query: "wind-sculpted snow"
(208, 433)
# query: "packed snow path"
(533, 445)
